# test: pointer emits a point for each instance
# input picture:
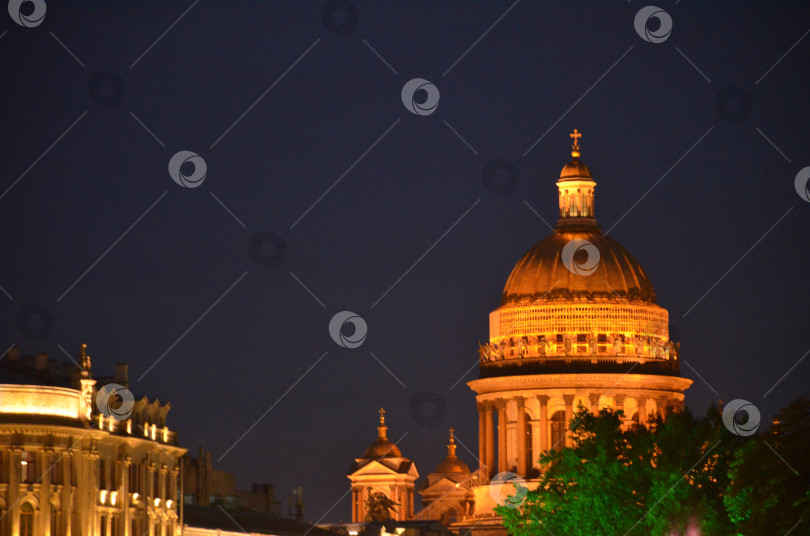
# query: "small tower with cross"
(576, 191)
(451, 473)
(382, 474)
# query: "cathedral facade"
(578, 326)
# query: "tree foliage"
(770, 490)
(682, 475)
(659, 479)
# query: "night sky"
(324, 194)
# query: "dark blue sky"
(711, 186)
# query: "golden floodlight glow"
(40, 400)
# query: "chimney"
(41, 361)
(121, 374)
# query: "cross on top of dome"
(575, 135)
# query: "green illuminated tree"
(770, 489)
(655, 480)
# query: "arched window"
(26, 519)
(558, 430)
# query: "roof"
(216, 517)
(546, 272)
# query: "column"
(150, 481)
(490, 463)
(594, 400)
(642, 410)
(663, 406)
(12, 505)
(543, 399)
(619, 402)
(482, 435)
(45, 459)
(123, 497)
(569, 414)
(174, 472)
(502, 461)
(521, 435)
(66, 501)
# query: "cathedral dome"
(578, 300)
(575, 169)
(553, 270)
(382, 448)
(452, 466)
(577, 262)
(452, 463)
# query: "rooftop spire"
(575, 135)
(451, 446)
(382, 429)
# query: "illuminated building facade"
(578, 326)
(66, 469)
(382, 475)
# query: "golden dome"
(452, 464)
(577, 262)
(578, 300)
(541, 275)
(449, 465)
(575, 169)
(382, 448)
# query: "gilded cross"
(575, 136)
(382, 415)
